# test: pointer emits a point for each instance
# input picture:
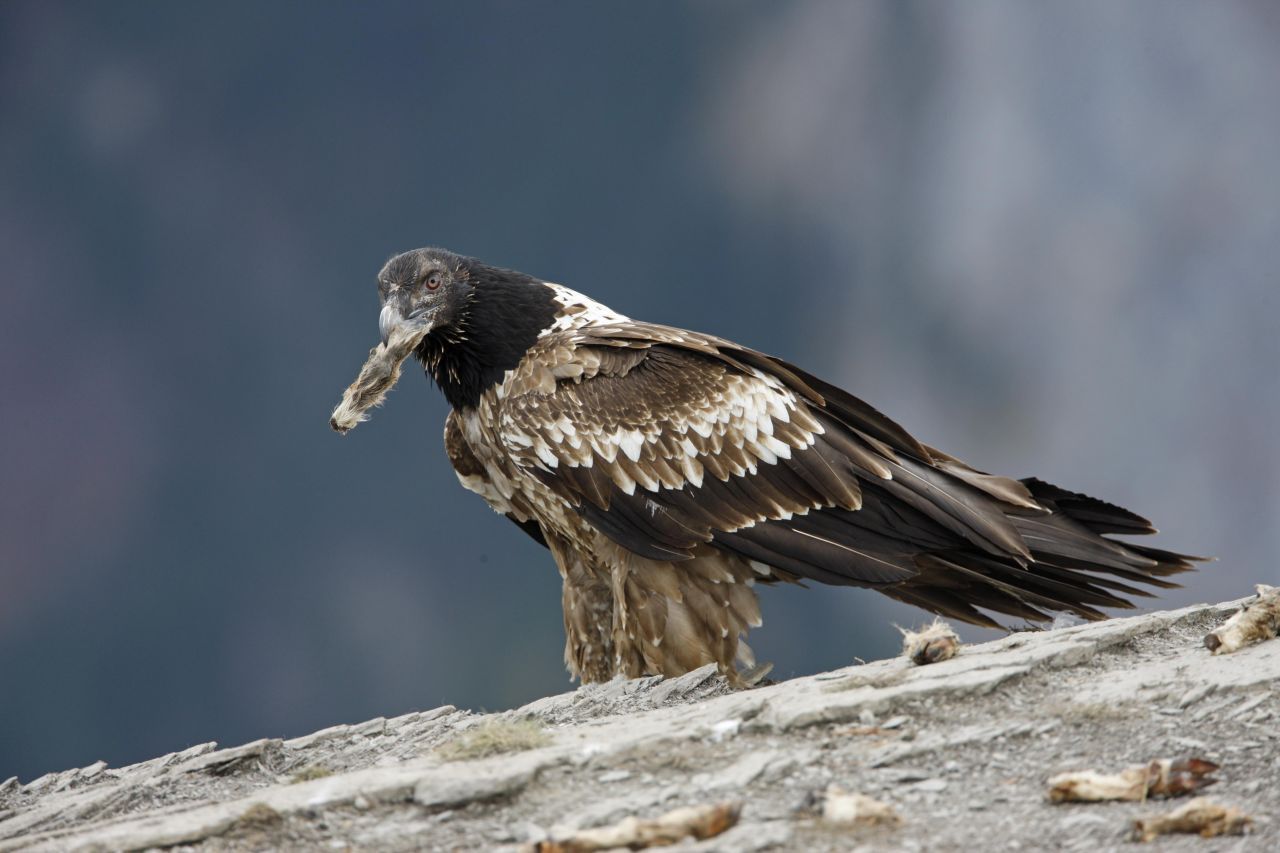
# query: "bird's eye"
(434, 280)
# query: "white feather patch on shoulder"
(577, 310)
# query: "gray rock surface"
(961, 749)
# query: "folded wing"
(665, 439)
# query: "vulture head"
(466, 322)
(423, 290)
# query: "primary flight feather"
(668, 471)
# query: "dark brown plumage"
(668, 471)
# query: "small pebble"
(725, 729)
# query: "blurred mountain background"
(1044, 237)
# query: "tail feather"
(1059, 535)
(1073, 567)
(1059, 574)
(945, 603)
(1099, 516)
(1026, 591)
(1063, 590)
(1168, 563)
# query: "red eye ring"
(434, 280)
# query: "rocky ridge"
(961, 749)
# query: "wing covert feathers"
(668, 441)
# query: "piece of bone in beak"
(377, 377)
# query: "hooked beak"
(391, 320)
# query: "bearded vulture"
(668, 471)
